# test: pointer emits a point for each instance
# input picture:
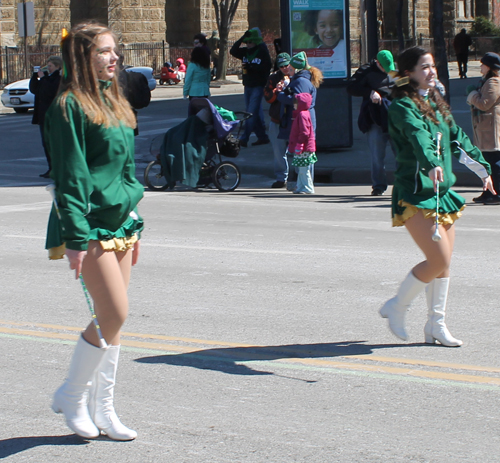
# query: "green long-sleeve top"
(94, 173)
(414, 139)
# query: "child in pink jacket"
(302, 144)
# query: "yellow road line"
(275, 349)
(273, 358)
(283, 349)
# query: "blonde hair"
(102, 106)
(316, 76)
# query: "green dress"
(414, 139)
(93, 169)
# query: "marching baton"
(102, 342)
(436, 236)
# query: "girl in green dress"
(417, 114)
(89, 131)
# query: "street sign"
(26, 19)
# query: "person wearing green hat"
(281, 76)
(256, 63)
(306, 79)
(373, 82)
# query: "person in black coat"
(44, 85)
(135, 89)
(373, 82)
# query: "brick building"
(176, 21)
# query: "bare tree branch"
(225, 10)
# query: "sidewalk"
(347, 165)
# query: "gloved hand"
(470, 88)
(246, 34)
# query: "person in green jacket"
(417, 115)
(94, 222)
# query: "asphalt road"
(253, 333)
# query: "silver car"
(147, 72)
(18, 96)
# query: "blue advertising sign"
(318, 27)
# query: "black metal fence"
(15, 65)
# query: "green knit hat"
(299, 61)
(252, 36)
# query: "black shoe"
(377, 192)
(261, 142)
(278, 184)
(46, 174)
(483, 197)
(492, 200)
(243, 143)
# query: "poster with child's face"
(318, 30)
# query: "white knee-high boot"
(72, 397)
(435, 329)
(101, 406)
(395, 309)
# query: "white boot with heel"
(395, 309)
(72, 397)
(435, 329)
(101, 398)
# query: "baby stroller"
(168, 74)
(191, 152)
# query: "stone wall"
(176, 21)
(139, 21)
(8, 23)
(50, 17)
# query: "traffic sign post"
(26, 27)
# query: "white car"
(18, 96)
(147, 72)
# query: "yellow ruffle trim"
(114, 244)
(410, 210)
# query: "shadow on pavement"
(15, 445)
(225, 359)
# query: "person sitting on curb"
(256, 68)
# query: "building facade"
(176, 21)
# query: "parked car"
(147, 72)
(18, 96)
